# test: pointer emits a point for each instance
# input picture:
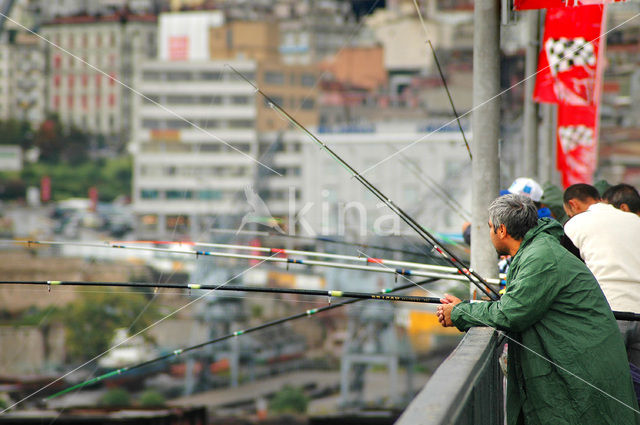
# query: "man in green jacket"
(567, 363)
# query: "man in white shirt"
(609, 243)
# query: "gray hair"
(518, 213)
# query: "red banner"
(568, 62)
(577, 135)
(93, 197)
(550, 4)
(45, 188)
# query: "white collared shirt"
(609, 243)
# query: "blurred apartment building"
(90, 64)
(48, 10)
(21, 66)
(21, 77)
(192, 155)
(343, 95)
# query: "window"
(178, 223)
(149, 194)
(239, 100)
(211, 100)
(151, 75)
(177, 124)
(179, 76)
(278, 100)
(181, 100)
(308, 80)
(240, 123)
(209, 194)
(307, 103)
(207, 123)
(151, 98)
(152, 124)
(274, 77)
(211, 75)
(179, 194)
(210, 147)
(244, 147)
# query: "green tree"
(16, 132)
(90, 321)
(289, 400)
(115, 178)
(50, 140)
(76, 146)
(152, 398)
(112, 177)
(116, 397)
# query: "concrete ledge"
(451, 388)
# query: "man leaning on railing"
(567, 363)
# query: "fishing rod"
(315, 239)
(472, 276)
(283, 251)
(258, 289)
(275, 322)
(369, 267)
(444, 81)
(435, 187)
(382, 295)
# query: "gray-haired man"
(567, 363)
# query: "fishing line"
(122, 342)
(178, 352)
(317, 239)
(370, 266)
(471, 275)
(618, 315)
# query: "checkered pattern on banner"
(574, 136)
(564, 53)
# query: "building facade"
(192, 155)
(21, 78)
(196, 156)
(404, 160)
(90, 64)
(311, 31)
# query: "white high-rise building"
(192, 155)
(414, 164)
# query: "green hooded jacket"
(565, 349)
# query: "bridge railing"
(467, 388)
